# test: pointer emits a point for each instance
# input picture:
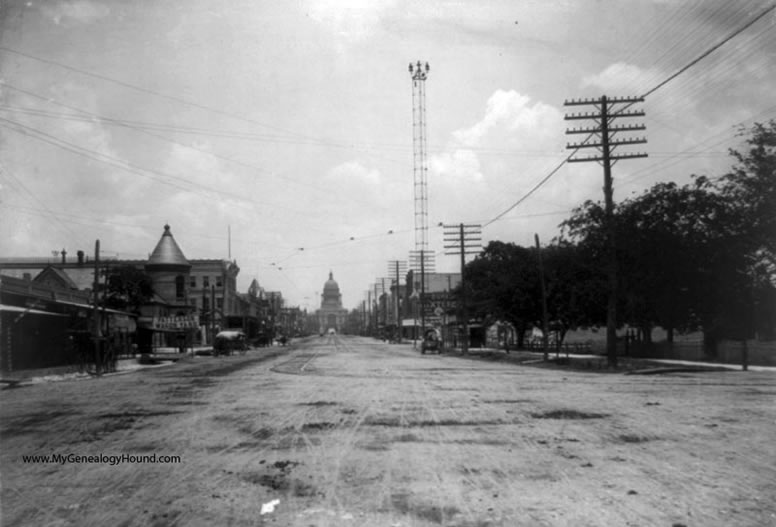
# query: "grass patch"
(633, 438)
(394, 422)
(319, 403)
(567, 414)
(324, 425)
(431, 513)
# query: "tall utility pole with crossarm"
(463, 239)
(603, 133)
(399, 268)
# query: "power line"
(710, 51)
(648, 92)
(9, 176)
(167, 179)
(534, 189)
(149, 91)
(310, 139)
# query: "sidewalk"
(672, 362)
(70, 373)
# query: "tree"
(751, 190)
(576, 287)
(679, 261)
(127, 288)
(503, 283)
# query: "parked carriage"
(230, 341)
(432, 341)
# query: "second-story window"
(180, 290)
(219, 283)
(205, 281)
(193, 281)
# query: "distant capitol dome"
(331, 293)
(331, 315)
(331, 286)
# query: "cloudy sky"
(290, 122)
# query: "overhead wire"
(138, 127)
(8, 176)
(148, 91)
(652, 90)
(168, 179)
(292, 135)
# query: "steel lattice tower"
(419, 73)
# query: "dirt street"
(347, 431)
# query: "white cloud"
(352, 172)
(512, 122)
(82, 11)
(352, 20)
(620, 77)
(511, 113)
(456, 166)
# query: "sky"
(280, 134)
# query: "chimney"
(64, 254)
(80, 257)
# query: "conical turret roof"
(167, 254)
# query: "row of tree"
(700, 256)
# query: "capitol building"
(331, 315)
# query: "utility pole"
(97, 323)
(213, 315)
(397, 266)
(545, 318)
(369, 311)
(422, 261)
(608, 109)
(384, 302)
(376, 301)
(463, 239)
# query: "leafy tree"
(503, 283)
(576, 287)
(750, 189)
(682, 259)
(127, 288)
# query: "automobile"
(432, 341)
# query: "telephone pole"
(545, 316)
(397, 267)
(607, 110)
(463, 239)
(422, 261)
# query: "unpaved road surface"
(345, 431)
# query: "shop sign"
(179, 322)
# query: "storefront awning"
(27, 310)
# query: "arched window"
(180, 286)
